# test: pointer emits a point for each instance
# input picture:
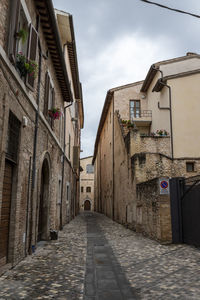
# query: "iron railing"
(136, 114)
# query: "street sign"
(164, 185)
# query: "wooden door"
(5, 212)
(87, 205)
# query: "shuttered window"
(49, 99)
(22, 43)
(14, 23)
(13, 138)
(32, 54)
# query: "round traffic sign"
(164, 184)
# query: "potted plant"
(54, 113)
(25, 66)
(162, 132)
(130, 124)
(124, 122)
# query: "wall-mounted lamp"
(24, 121)
(74, 119)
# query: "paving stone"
(98, 259)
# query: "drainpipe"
(170, 114)
(35, 146)
(167, 108)
(63, 166)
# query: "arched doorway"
(87, 205)
(43, 231)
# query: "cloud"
(117, 41)
(125, 60)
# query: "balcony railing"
(141, 117)
(135, 114)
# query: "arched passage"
(87, 205)
(43, 215)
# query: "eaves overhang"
(51, 34)
(150, 75)
(71, 47)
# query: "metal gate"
(185, 210)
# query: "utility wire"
(170, 8)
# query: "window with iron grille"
(88, 189)
(190, 167)
(134, 109)
(13, 137)
(82, 189)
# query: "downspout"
(167, 108)
(35, 146)
(63, 166)
(170, 113)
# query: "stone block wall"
(153, 211)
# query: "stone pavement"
(98, 259)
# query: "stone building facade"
(86, 184)
(39, 184)
(147, 131)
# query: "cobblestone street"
(98, 259)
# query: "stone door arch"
(43, 214)
(87, 205)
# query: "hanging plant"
(54, 113)
(22, 34)
(25, 66)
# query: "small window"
(88, 189)
(190, 166)
(134, 109)
(90, 169)
(82, 189)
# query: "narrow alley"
(98, 259)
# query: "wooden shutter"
(14, 23)
(46, 94)
(32, 53)
(53, 105)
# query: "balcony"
(141, 117)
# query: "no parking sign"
(164, 185)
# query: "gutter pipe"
(35, 145)
(168, 108)
(170, 114)
(63, 166)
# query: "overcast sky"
(118, 40)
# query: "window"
(134, 109)
(190, 166)
(88, 189)
(90, 169)
(13, 137)
(49, 99)
(22, 43)
(82, 189)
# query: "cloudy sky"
(118, 40)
